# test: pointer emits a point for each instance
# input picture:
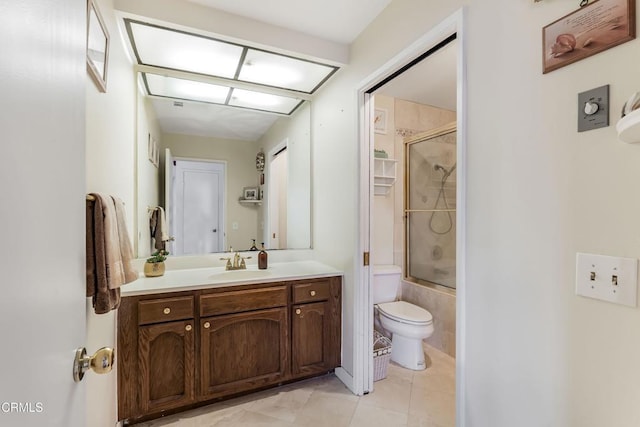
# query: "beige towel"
(129, 274)
(164, 232)
(104, 299)
(117, 246)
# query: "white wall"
(147, 174)
(535, 354)
(382, 247)
(296, 130)
(110, 154)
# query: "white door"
(42, 211)
(169, 177)
(277, 199)
(199, 207)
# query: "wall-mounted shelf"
(384, 175)
(250, 202)
(628, 127)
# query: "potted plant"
(154, 266)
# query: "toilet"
(408, 323)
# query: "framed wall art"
(380, 121)
(250, 193)
(97, 46)
(153, 151)
(591, 29)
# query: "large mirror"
(223, 143)
(212, 189)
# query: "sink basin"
(240, 275)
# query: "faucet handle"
(228, 266)
(243, 265)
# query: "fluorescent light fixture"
(263, 101)
(171, 87)
(282, 71)
(163, 47)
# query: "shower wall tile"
(443, 308)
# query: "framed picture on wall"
(97, 46)
(153, 151)
(594, 28)
(380, 120)
(250, 193)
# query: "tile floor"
(405, 398)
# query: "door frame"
(363, 370)
(222, 237)
(271, 154)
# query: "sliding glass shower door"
(430, 207)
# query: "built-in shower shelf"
(384, 175)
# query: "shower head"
(445, 172)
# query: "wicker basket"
(381, 355)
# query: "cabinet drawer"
(311, 291)
(243, 300)
(165, 310)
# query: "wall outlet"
(607, 278)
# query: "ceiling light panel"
(185, 89)
(263, 101)
(283, 72)
(181, 51)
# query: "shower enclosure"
(430, 207)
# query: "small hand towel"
(164, 231)
(158, 227)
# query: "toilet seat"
(404, 312)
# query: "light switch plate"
(607, 278)
(600, 118)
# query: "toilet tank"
(386, 280)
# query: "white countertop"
(204, 278)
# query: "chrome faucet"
(238, 262)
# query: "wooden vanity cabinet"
(315, 320)
(244, 337)
(185, 349)
(156, 348)
(167, 365)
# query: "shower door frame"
(424, 136)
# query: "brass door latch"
(101, 362)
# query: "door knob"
(101, 362)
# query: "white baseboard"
(346, 379)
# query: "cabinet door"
(243, 351)
(311, 328)
(166, 363)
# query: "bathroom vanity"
(214, 336)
